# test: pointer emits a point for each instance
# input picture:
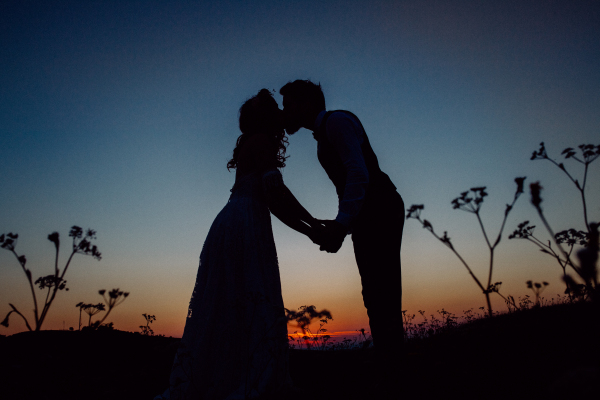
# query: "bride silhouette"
(234, 344)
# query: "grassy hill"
(550, 353)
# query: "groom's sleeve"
(346, 137)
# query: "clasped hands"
(328, 234)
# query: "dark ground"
(547, 353)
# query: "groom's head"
(302, 102)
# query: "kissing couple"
(235, 343)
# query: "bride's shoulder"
(259, 150)
(259, 143)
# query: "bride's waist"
(247, 190)
(247, 196)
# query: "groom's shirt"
(346, 135)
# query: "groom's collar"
(318, 121)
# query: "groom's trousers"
(377, 238)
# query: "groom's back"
(379, 182)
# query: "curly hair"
(260, 114)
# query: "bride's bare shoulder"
(259, 151)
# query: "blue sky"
(121, 116)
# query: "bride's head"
(261, 114)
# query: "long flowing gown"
(234, 344)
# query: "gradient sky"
(121, 116)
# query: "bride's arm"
(284, 205)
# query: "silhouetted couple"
(235, 343)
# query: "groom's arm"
(346, 136)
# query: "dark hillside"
(551, 352)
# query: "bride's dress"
(234, 345)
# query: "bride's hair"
(260, 114)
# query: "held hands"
(328, 234)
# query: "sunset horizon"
(121, 117)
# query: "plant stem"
(585, 217)
(483, 229)
(49, 303)
(489, 304)
(56, 263)
(580, 188)
(491, 268)
(35, 310)
(551, 232)
(22, 316)
(457, 255)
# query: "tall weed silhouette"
(115, 297)
(586, 269)
(146, 330)
(82, 244)
(471, 201)
(90, 310)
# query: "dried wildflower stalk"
(55, 282)
(471, 202)
(588, 256)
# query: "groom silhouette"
(370, 209)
